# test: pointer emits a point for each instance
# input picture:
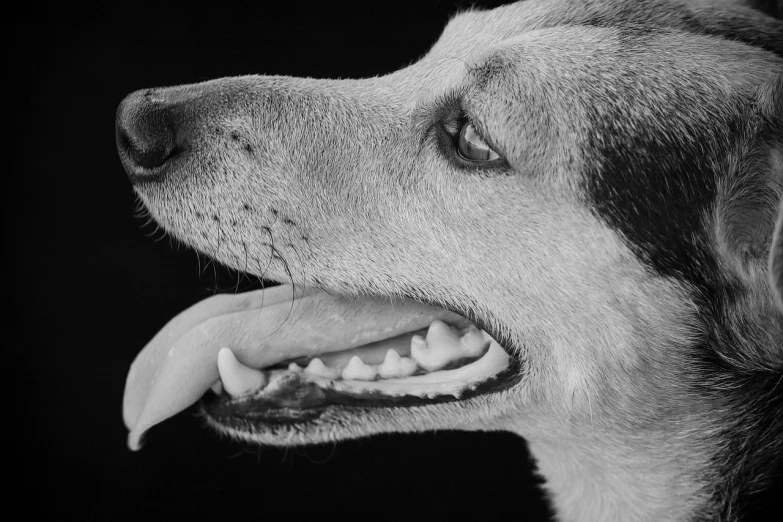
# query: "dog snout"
(145, 133)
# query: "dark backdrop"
(88, 284)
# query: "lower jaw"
(300, 402)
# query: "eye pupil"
(472, 147)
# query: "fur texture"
(625, 248)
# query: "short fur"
(628, 249)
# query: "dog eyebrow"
(428, 112)
(442, 108)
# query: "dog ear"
(776, 260)
(771, 105)
(752, 188)
(748, 230)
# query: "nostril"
(145, 132)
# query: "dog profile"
(564, 221)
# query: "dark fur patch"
(657, 187)
(752, 454)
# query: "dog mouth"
(286, 355)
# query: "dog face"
(593, 185)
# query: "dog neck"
(603, 480)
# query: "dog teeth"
(358, 370)
(444, 346)
(474, 342)
(237, 378)
(317, 367)
(441, 337)
(439, 349)
(394, 366)
(423, 355)
(275, 376)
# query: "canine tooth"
(473, 342)
(237, 378)
(395, 366)
(317, 367)
(358, 370)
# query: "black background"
(88, 284)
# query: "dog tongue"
(262, 328)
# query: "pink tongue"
(262, 328)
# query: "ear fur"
(752, 189)
(749, 234)
(772, 104)
(776, 261)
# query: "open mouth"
(285, 355)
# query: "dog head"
(595, 185)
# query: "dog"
(564, 221)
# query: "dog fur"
(625, 249)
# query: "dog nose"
(145, 131)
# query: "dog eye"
(472, 147)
